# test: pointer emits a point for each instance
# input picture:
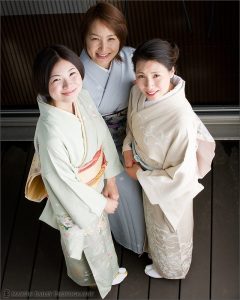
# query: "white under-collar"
(104, 69)
(177, 82)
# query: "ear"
(172, 71)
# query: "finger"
(105, 194)
(115, 196)
(128, 165)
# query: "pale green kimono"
(65, 142)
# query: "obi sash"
(90, 174)
(138, 158)
(116, 123)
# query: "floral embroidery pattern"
(171, 256)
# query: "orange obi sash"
(90, 174)
(92, 171)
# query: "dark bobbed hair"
(44, 62)
(111, 16)
(162, 51)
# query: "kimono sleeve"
(176, 183)
(114, 166)
(83, 203)
(129, 136)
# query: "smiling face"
(102, 44)
(64, 85)
(153, 78)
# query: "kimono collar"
(89, 64)
(109, 90)
(52, 112)
(172, 98)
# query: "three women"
(167, 149)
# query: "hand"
(132, 172)
(110, 190)
(111, 206)
(128, 158)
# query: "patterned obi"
(116, 123)
(90, 173)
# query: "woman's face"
(153, 78)
(102, 44)
(65, 83)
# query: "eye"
(94, 39)
(73, 73)
(140, 76)
(111, 39)
(56, 80)
(156, 75)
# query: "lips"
(69, 93)
(150, 93)
(102, 56)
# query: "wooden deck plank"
(23, 245)
(164, 289)
(3, 150)
(47, 267)
(225, 244)
(137, 283)
(196, 285)
(13, 168)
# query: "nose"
(65, 83)
(149, 82)
(103, 45)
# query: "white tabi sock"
(122, 273)
(151, 272)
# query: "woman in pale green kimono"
(76, 153)
(108, 78)
(167, 149)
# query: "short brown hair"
(111, 16)
(44, 62)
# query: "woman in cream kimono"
(167, 149)
(76, 153)
(109, 77)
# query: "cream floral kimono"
(174, 149)
(64, 142)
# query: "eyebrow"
(60, 75)
(141, 72)
(100, 36)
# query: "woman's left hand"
(132, 171)
(110, 189)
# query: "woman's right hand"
(111, 206)
(128, 158)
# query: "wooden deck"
(32, 260)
